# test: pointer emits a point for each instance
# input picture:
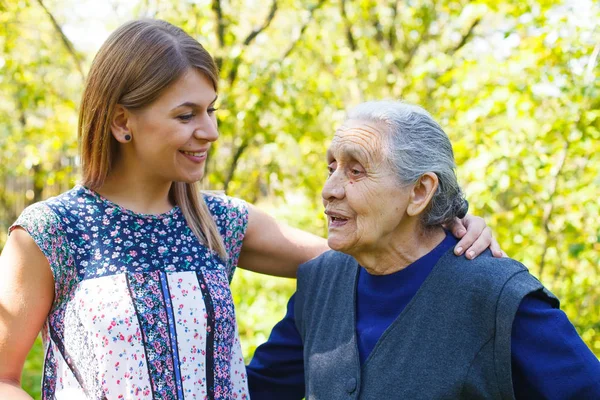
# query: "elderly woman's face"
(363, 200)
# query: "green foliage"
(514, 83)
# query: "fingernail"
(462, 232)
(458, 251)
(471, 254)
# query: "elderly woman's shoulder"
(491, 283)
(487, 270)
(329, 258)
(330, 262)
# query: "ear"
(422, 193)
(120, 124)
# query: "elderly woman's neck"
(403, 249)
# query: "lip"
(336, 214)
(195, 158)
(336, 219)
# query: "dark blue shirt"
(549, 359)
(381, 298)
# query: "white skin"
(181, 120)
(371, 215)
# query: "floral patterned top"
(142, 309)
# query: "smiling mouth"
(335, 220)
(338, 219)
(194, 153)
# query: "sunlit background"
(514, 83)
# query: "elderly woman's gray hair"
(417, 145)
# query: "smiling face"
(171, 136)
(363, 199)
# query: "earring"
(127, 138)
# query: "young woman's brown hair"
(133, 67)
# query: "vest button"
(351, 385)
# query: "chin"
(190, 178)
(337, 244)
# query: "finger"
(457, 228)
(495, 248)
(480, 244)
(474, 227)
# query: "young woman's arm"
(26, 295)
(274, 248)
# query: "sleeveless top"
(142, 309)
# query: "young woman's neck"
(136, 191)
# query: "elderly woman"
(392, 312)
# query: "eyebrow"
(350, 153)
(194, 105)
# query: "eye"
(211, 110)
(186, 117)
(356, 172)
(331, 168)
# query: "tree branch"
(216, 7)
(392, 35)
(249, 39)
(304, 26)
(245, 144)
(65, 40)
(412, 51)
(549, 208)
(264, 26)
(234, 162)
(402, 65)
(465, 38)
(379, 35)
(348, 26)
(220, 30)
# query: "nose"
(334, 187)
(206, 129)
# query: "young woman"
(127, 274)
